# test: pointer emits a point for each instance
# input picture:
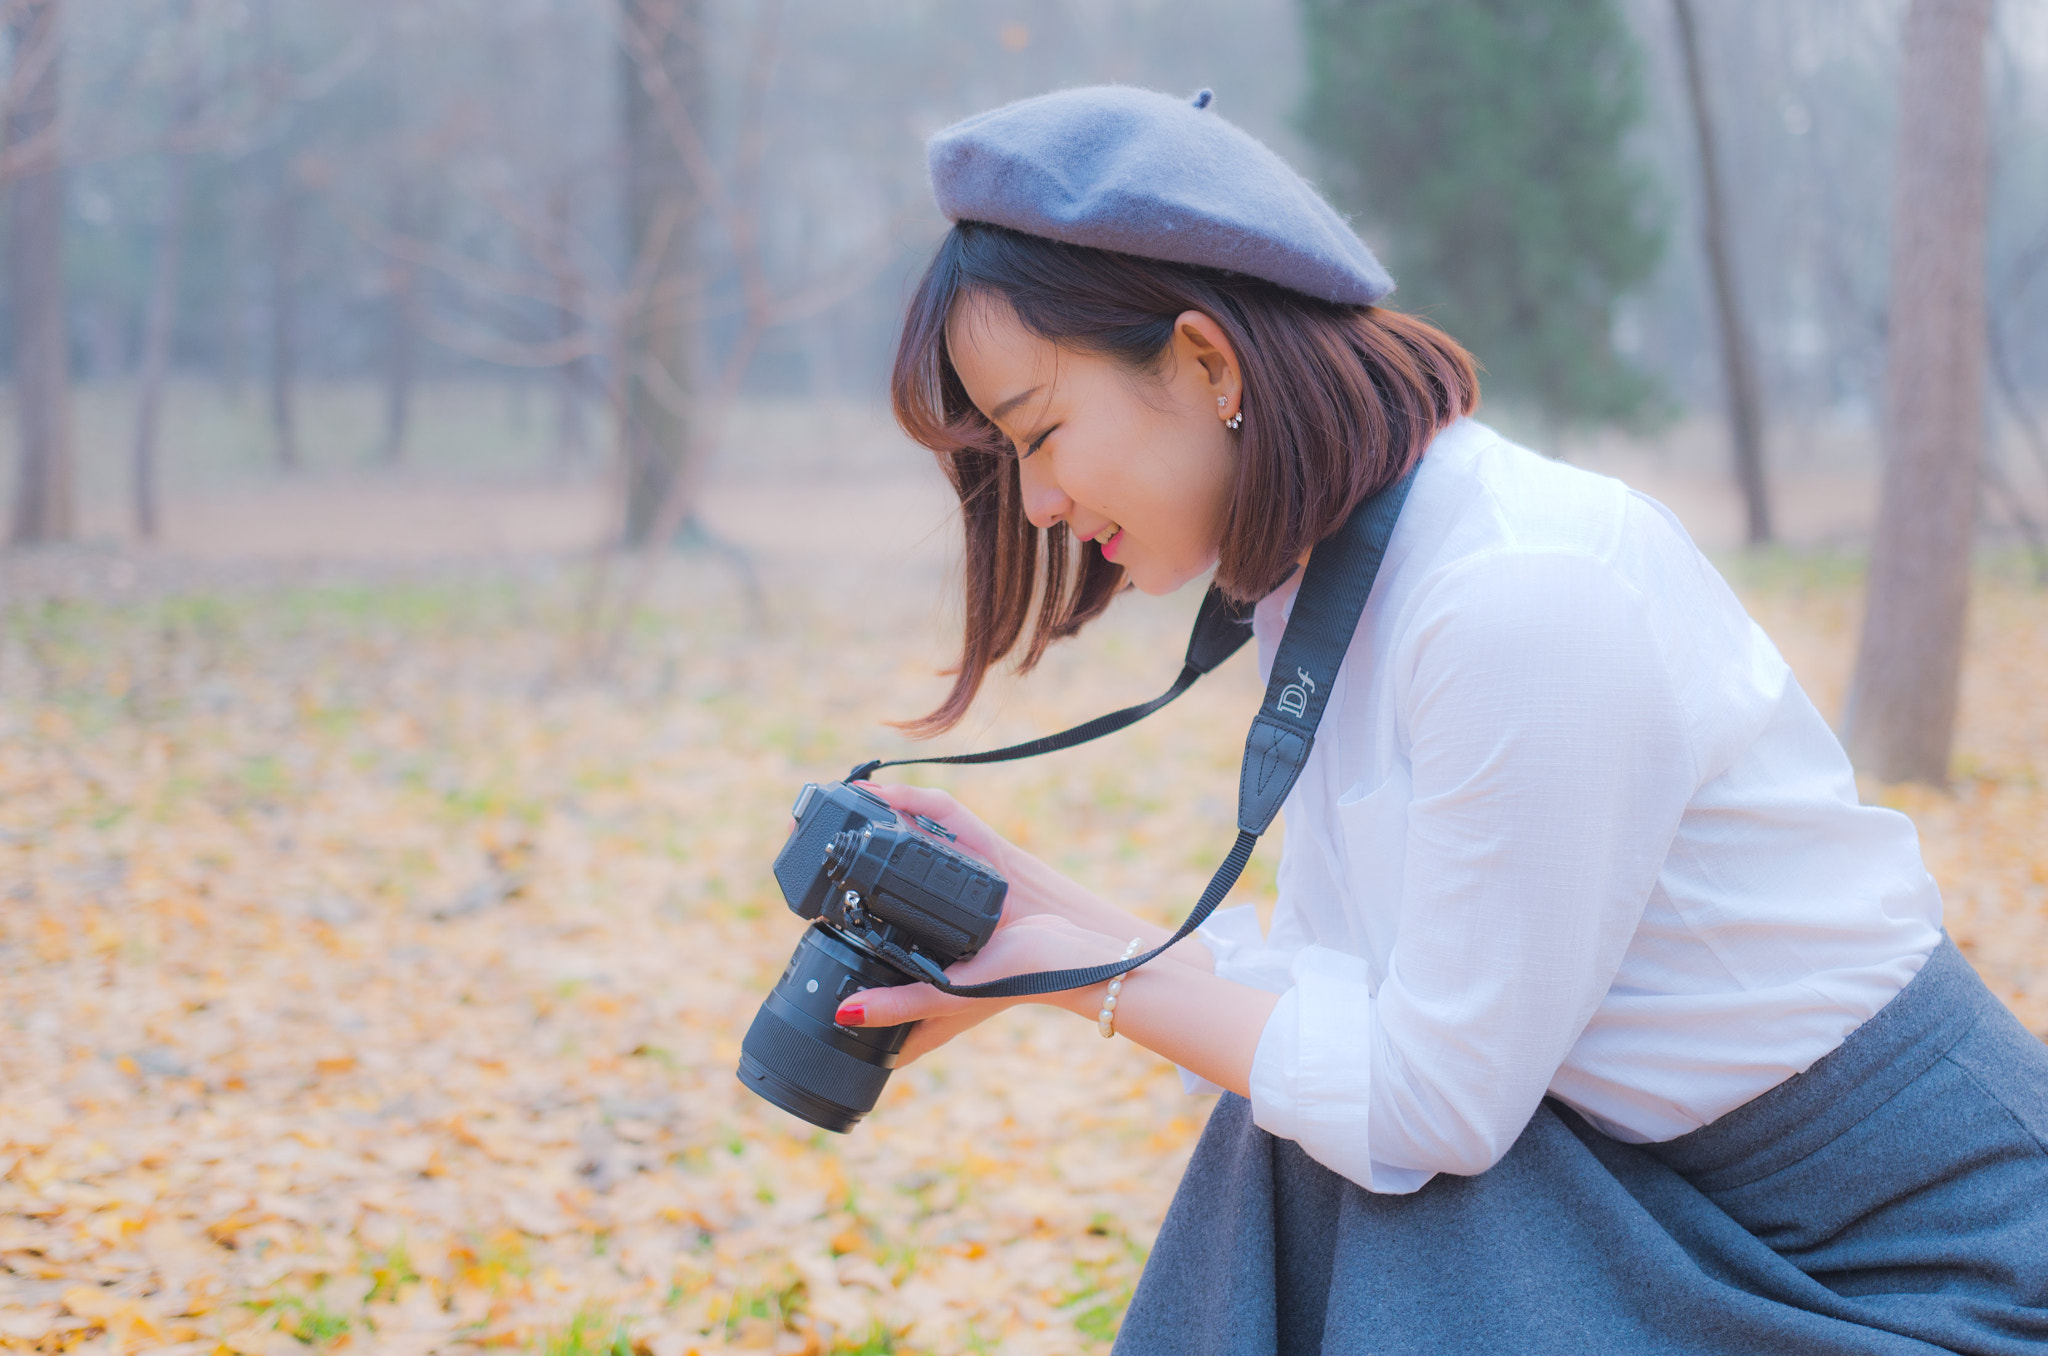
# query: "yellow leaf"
(89, 1301)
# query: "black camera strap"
(1221, 629)
(1334, 589)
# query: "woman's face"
(1139, 463)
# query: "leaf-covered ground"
(370, 981)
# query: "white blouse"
(1571, 827)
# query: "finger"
(940, 805)
(893, 1007)
(934, 1032)
(923, 800)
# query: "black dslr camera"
(889, 896)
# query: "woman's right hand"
(1035, 888)
(1031, 943)
(968, 828)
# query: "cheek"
(1222, 486)
(1096, 469)
(1202, 491)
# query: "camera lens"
(797, 1057)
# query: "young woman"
(1596, 1014)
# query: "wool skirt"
(1891, 1199)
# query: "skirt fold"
(1893, 1199)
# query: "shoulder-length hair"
(1338, 400)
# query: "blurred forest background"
(451, 508)
(456, 240)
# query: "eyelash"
(1039, 441)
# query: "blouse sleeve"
(1550, 762)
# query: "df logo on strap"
(1294, 697)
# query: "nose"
(1044, 502)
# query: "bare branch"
(490, 347)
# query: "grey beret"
(1142, 173)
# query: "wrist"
(1049, 891)
(1113, 988)
(1099, 949)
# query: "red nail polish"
(851, 1014)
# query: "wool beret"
(1119, 168)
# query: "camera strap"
(1334, 589)
(1221, 629)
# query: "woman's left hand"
(1037, 942)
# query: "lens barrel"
(797, 1057)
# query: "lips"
(1108, 537)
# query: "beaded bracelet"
(1105, 1020)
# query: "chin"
(1156, 582)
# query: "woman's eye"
(1039, 441)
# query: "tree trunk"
(1738, 358)
(43, 509)
(1902, 701)
(401, 350)
(284, 318)
(570, 438)
(234, 315)
(156, 343)
(662, 80)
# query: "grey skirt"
(1893, 1198)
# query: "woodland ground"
(373, 980)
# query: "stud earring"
(1235, 421)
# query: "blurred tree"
(1902, 700)
(161, 315)
(573, 375)
(34, 168)
(156, 340)
(1486, 140)
(281, 219)
(401, 298)
(221, 238)
(1738, 355)
(2011, 291)
(315, 69)
(662, 119)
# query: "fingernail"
(851, 1014)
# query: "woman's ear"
(1201, 343)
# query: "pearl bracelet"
(1105, 1020)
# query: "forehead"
(995, 355)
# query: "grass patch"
(390, 1271)
(591, 1332)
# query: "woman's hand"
(966, 826)
(1021, 946)
(1207, 1025)
(1036, 888)
(1069, 926)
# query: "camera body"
(858, 866)
(871, 881)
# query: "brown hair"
(1339, 401)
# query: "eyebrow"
(1013, 402)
